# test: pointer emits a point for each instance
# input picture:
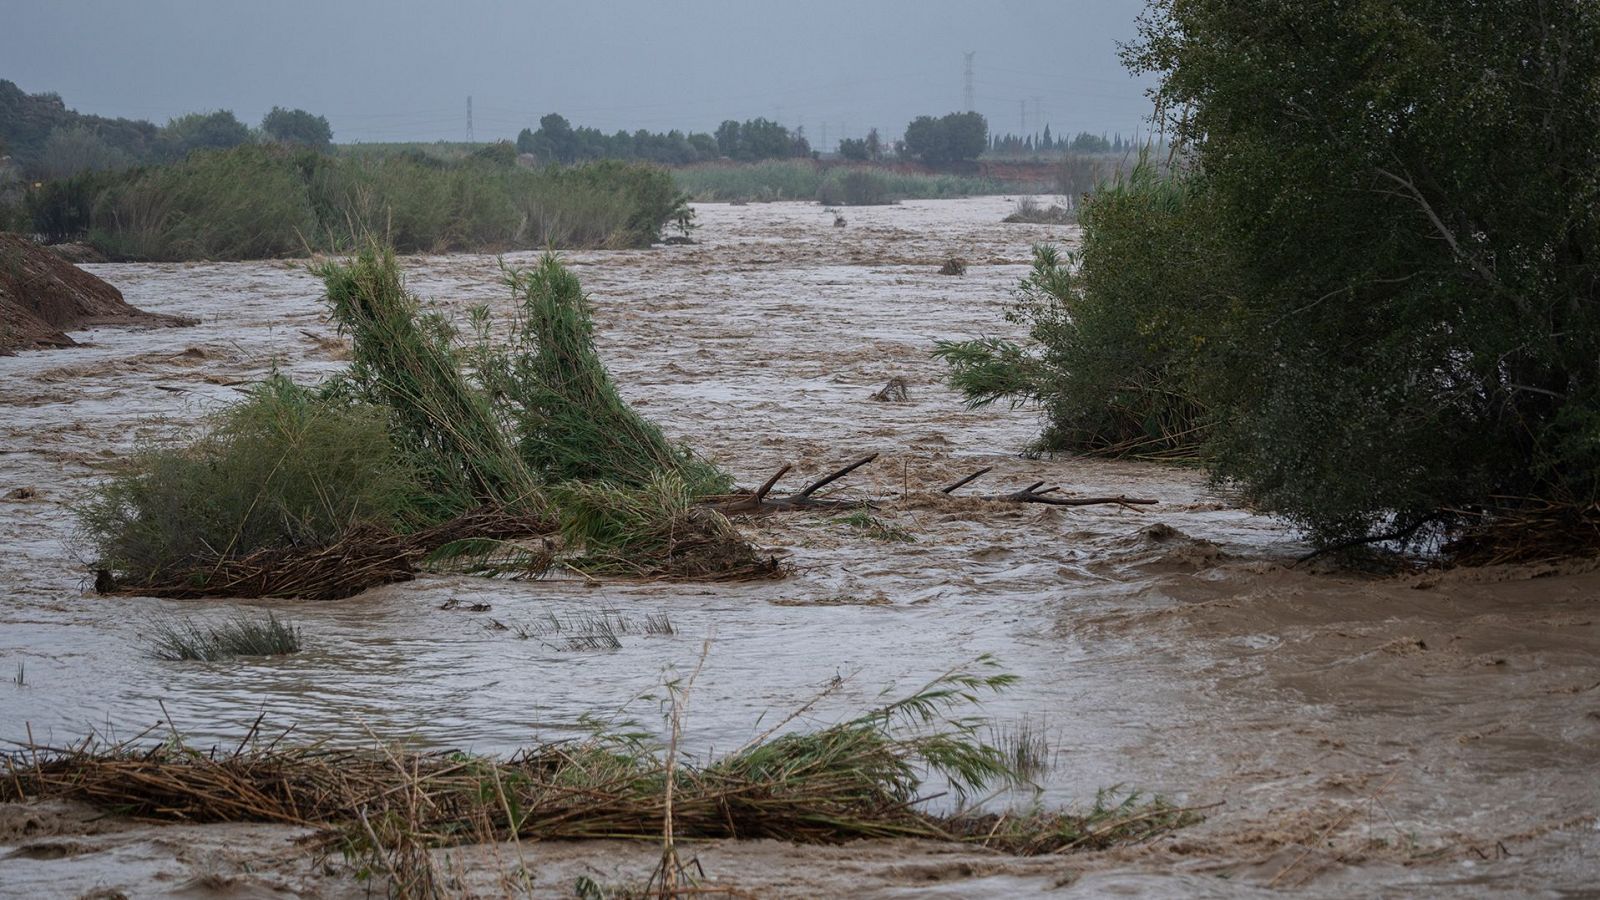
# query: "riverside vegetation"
(265, 201)
(496, 453)
(1366, 297)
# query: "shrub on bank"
(1378, 279)
(1114, 334)
(282, 469)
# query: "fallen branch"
(1033, 494)
(759, 502)
(968, 480)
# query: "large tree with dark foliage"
(957, 137)
(1374, 279)
(296, 126)
(1411, 194)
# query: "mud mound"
(1159, 547)
(42, 297)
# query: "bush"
(810, 180)
(282, 469)
(240, 204)
(1114, 334)
(855, 187)
(571, 423)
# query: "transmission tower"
(469, 118)
(968, 94)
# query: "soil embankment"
(42, 297)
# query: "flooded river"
(1435, 733)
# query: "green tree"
(201, 131)
(957, 137)
(78, 148)
(296, 126)
(853, 149)
(1416, 331)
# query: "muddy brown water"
(1435, 734)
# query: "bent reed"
(429, 452)
(865, 777)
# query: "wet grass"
(177, 640)
(1026, 745)
(592, 631)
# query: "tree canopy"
(296, 126)
(956, 137)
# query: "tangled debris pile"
(861, 778)
(428, 453)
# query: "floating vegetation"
(178, 640)
(865, 777)
(895, 391)
(876, 528)
(955, 265)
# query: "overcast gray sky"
(403, 69)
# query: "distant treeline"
(1046, 144)
(45, 139)
(262, 201)
(556, 140)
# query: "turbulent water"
(1436, 732)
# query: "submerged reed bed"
(866, 777)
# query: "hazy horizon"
(403, 71)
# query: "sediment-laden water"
(1436, 732)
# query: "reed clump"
(179, 640)
(1031, 212)
(258, 202)
(431, 452)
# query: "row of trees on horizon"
(45, 139)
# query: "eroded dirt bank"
(1439, 733)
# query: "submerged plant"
(876, 528)
(177, 640)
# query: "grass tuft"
(177, 640)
